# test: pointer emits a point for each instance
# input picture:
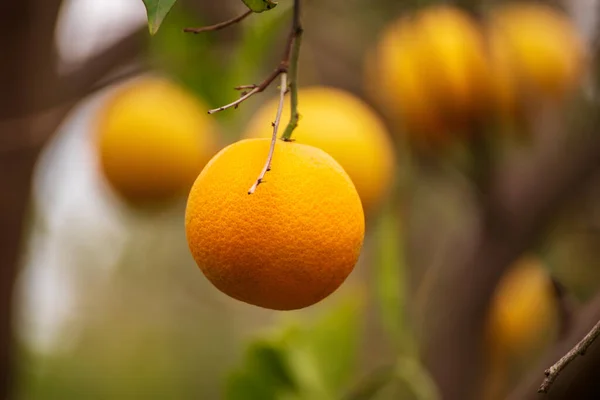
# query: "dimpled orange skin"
(347, 129)
(288, 245)
(154, 138)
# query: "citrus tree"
(485, 110)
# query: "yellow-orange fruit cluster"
(288, 245)
(436, 72)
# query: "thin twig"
(245, 87)
(291, 51)
(220, 25)
(257, 89)
(283, 67)
(579, 350)
(267, 167)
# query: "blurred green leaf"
(193, 60)
(258, 39)
(372, 384)
(407, 379)
(259, 6)
(256, 54)
(269, 358)
(413, 374)
(242, 386)
(264, 375)
(390, 275)
(302, 362)
(334, 341)
(157, 10)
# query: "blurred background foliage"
(111, 305)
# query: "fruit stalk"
(282, 68)
(267, 167)
(293, 72)
(289, 64)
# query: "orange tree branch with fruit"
(288, 67)
(477, 71)
(459, 94)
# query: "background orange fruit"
(431, 72)
(153, 140)
(523, 312)
(536, 50)
(347, 129)
(291, 243)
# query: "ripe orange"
(153, 140)
(347, 129)
(431, 72)
(453, 61)
(397, 87)
(291, 243)
(523, 308)
(536, 50)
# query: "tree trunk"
(26, 76)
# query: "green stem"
(293, 77)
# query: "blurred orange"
(153, 140)
(521, 321)
(535, 51)
(347, 129)
(431, 72)
(523, 307)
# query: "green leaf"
(300, 362)
(157, 10)
(265, 374)
(259, 6)
(334, 340)
(243, 386)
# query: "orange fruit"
(397, 86)
(523, 309)
(154, 138)
(344, 127)
(432, 73)
(536, 50)
(288, 245)
(453, 61)
(521, 321)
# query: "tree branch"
(580, 380)
(284, 64)
(522, 204)
(579, 350)
(255, 89)
(220, 25)
(292, 51)
(83, 80)
(297, 38)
